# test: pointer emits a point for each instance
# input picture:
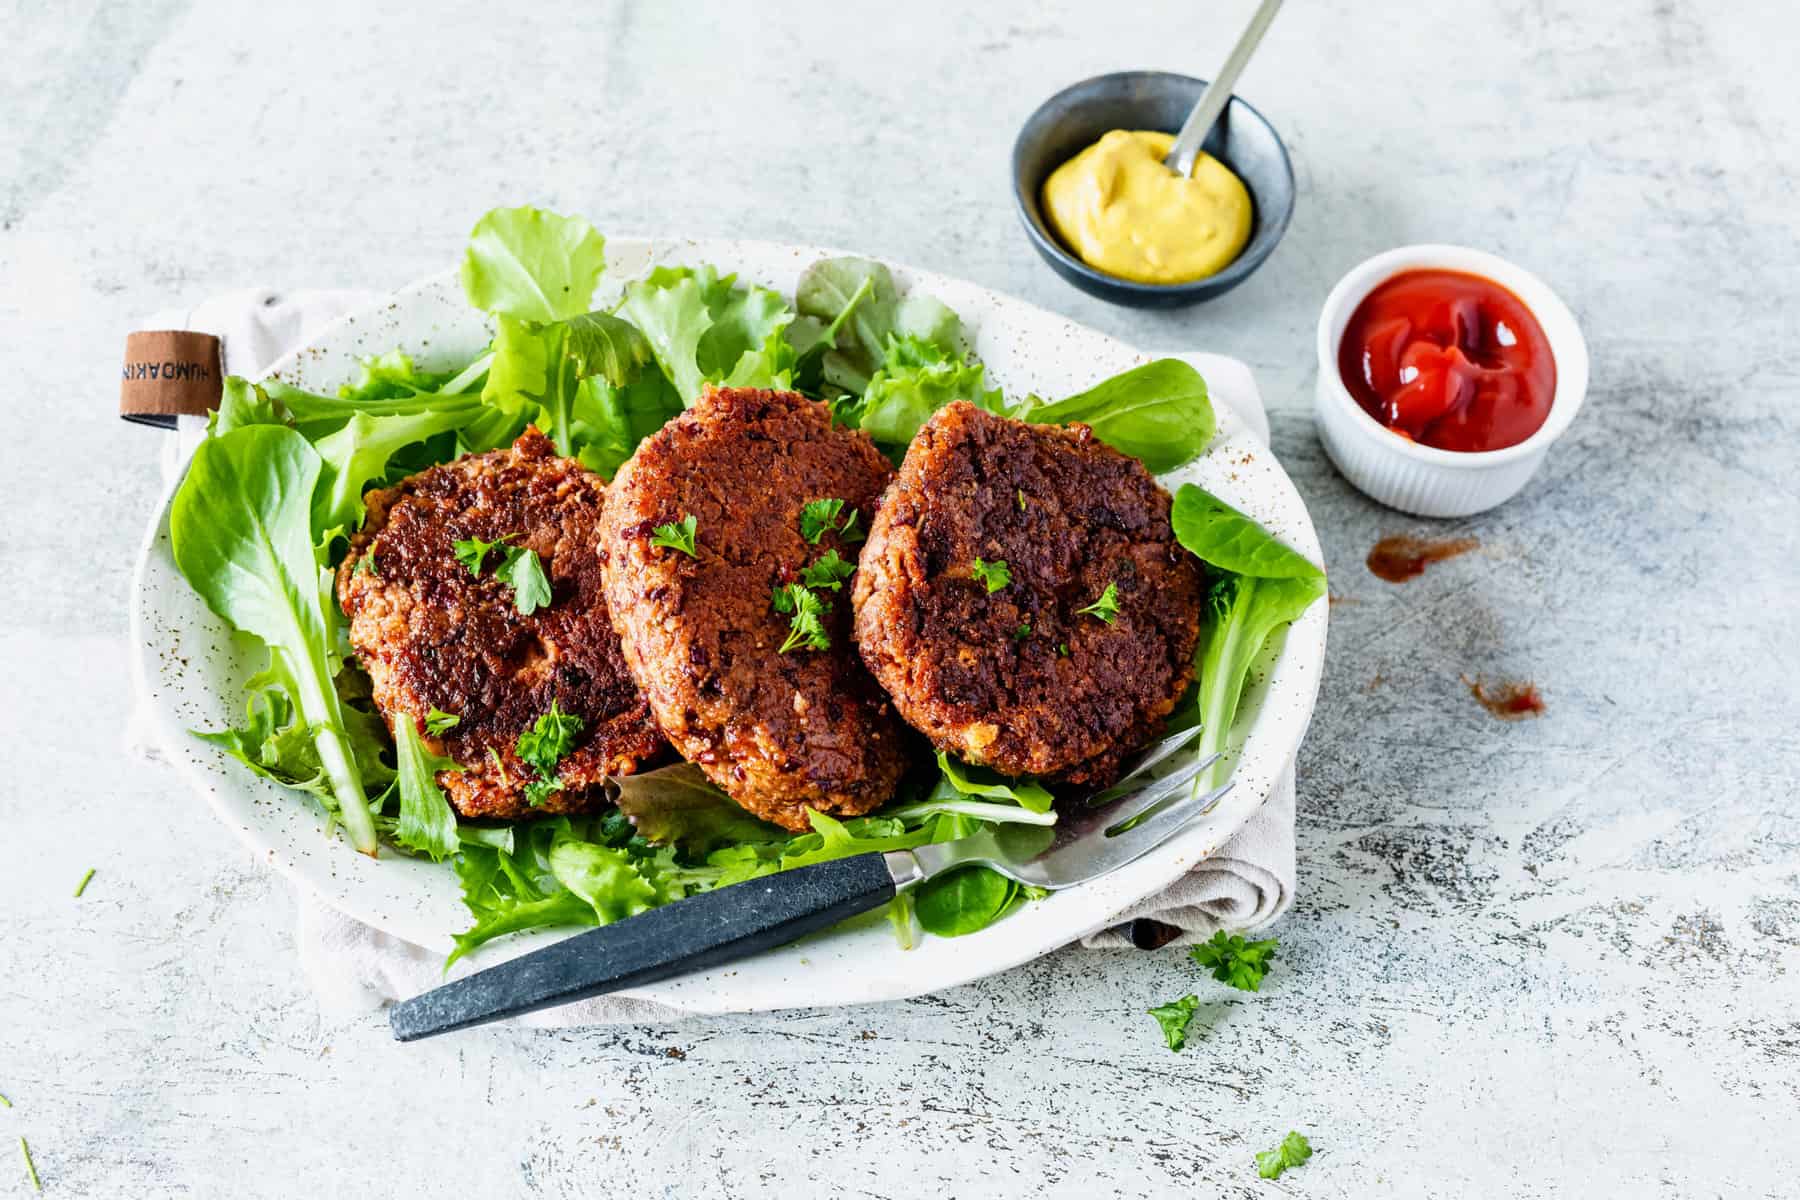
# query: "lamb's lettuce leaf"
(963, 901)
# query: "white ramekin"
(1424, 480)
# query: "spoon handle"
(1218, 93)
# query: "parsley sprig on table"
(807, 617)
(1234, 961)
(992, 575)
(1106, 607)
(1174, 1017)
(677, 535)
(1293, 1151)
(543, 746)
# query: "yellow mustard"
(1122, 212)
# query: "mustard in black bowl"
(1078, 121)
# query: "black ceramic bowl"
(1077, 116)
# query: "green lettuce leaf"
(705, 329)
(679, 806)
(859, 297)
(358, 454)
(915, 380)
(965, 780)
(242, 535)
(391, 376)
(427, 824)
(532, 265)
(273, 744)
(606, 879)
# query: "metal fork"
(720, 926)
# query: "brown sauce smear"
(1402, 556)
(1508, 701)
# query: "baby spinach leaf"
(962, 901)
(1222, 537)
(1158, 413)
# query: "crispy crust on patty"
(779, 732)
(985, 675)
(431, 635)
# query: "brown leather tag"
(169, 372)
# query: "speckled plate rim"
(188, 666)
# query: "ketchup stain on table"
(1508, 701)
(1402, 557)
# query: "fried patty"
(779, 732)
(1018, 678)
(433, 635)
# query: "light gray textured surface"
(1553, 957)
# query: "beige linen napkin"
(354, 968)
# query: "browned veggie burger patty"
(994, 538)
(779, 730)
(433, 635)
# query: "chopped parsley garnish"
(438, 721)
(1233, 960)
(499, 763)
(820, 517)
(472, 552)
(524, 573)
(1174, 1017)
(366, 566)
(993, 575)
(1107, 606)
(677, 535)
(80, 888)
(829, 572)
(543, 746)
(1022, 632)
(807, 613)
(1063, 649)
(1293, 1151)
(1021, 494)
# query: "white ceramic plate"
(191, 668)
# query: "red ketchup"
(1449, 360)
